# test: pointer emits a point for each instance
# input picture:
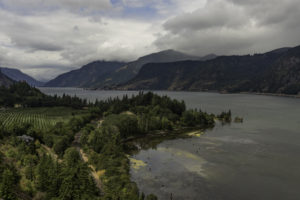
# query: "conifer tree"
(7, 185)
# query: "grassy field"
(41, 117)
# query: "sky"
(45, 38)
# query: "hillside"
(17, 75)
(284, 75)
(130, 70)
(277, 71)
(4, 80)
(102, 74)
(95, 73)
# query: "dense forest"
(22, 94)
(85, 157)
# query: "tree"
(29, 161)
(43, 179)
(151, 197)
(76, 181)
(7, 185)
(71, 157)
(60, 145)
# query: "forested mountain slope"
(17, 75)
(101, 74)
(131, 69)
(277, 71)
(4, 80)
(92, 74)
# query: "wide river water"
(258, 159)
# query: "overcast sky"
(47, 37)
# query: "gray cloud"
(234, 27)
(215, 14)
(27, 35)
(41, 6)
(46, 38)
(66, 39)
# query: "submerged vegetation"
(80, 151)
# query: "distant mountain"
(91, 75)
(17, 75)
(102, 74)
(277, 71)
(4, 80)
(131, 69)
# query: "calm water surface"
(256, 160)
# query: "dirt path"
(51, 153)
(84, 157)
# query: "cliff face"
(274, 72)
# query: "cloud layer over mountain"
(45, 38)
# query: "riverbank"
(208, 91)
(271, 94)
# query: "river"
(254, 160)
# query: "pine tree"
(54, 175)
(7, 185)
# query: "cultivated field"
(41, 117)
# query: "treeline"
(117, 105)
(225, 117)
(147, 112)
(23, 95)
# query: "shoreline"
(205, 91)
(270, 94)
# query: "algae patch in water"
(137, 164)
(195, 133)
(180, 153)
(191, 162)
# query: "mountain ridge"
(116, 74)
(18, 75)
(257, 73)
(87, 75)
